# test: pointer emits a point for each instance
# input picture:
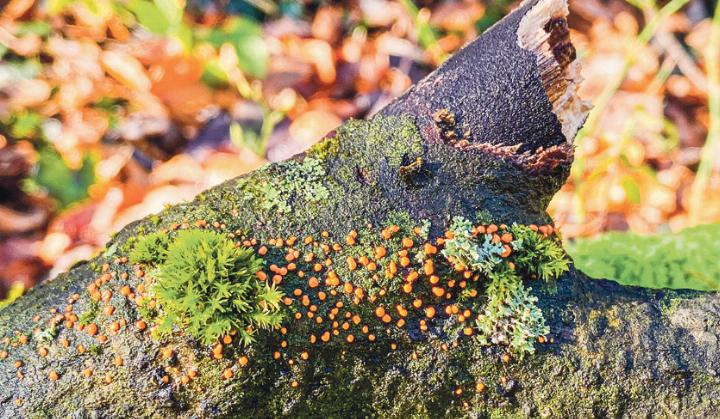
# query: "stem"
(425, 33)
(702, 177)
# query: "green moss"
(537, 256)
(396, 139)
(668, 305)
(90, 314)
(150, 248)
(324, 149)
(207, 285)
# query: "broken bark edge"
(544, 31)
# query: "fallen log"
(418, 233)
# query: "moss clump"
(207, 285)
(150, 248)
(538, 257)
(404, 147)
(328, 147)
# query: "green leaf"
(632, 190)
(16, 291)
(246, 36)
(25, 125)
(56, 6)
(214, 76)
(150, 16)
(172, 10)
(683, 260)
(62, 183)
(37, 27)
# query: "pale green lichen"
(511, 316)
(482, 256)
(287, 182)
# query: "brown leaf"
(126, 69)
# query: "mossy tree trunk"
(483, 137)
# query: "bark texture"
(478, 136)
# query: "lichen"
(511, 315)
(465, 251)
(287, 182)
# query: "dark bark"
(615, 351)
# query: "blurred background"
(113, 109)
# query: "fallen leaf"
(126, 69)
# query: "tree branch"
(485, 137)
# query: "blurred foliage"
(683, 260)
(245, 36)
(24, 124)
(62, 183)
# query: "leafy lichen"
(511, 316)
(465, 251)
